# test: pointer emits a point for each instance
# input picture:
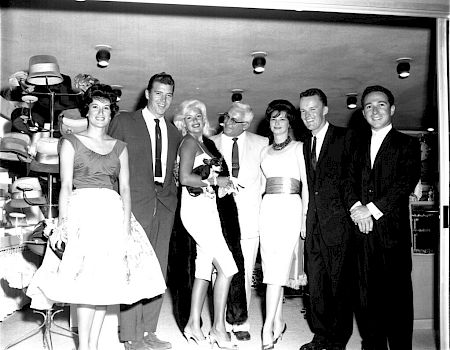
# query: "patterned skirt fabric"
(102, 263)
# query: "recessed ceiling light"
(403, 67)
(259, 61)
(352, 100)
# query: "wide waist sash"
(282, 185)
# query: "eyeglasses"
(233, 121)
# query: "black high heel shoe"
(222, 344)
(281, 334)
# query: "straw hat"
(14, 146)
(26, 192)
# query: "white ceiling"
(208, 52)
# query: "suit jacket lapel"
(307, 155)
(171, 149)
(384, 146)
(143, 133)
(218, 142)
(325, 145)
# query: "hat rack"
(44, 71)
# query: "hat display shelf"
(44, 71)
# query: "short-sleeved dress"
(280, 214)
(102, 264)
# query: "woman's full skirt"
(102, 263)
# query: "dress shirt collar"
(240, 140)
(321, 134)
(381, 134)
(149, 116)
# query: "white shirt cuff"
(376, 213)
(357, 204)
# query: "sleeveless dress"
(201, 219)
(101, 264)
(280, 214)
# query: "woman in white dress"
(108, 258)
(201, 219)
(282, 215)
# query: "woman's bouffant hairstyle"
(180, 114)
(281, 106)
(99, 91)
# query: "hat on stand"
(14, 146)
(26, 192)
(71, 122)
(46, 159)
(44, 70)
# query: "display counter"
(424, 233)
(17, 266)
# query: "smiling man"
(383, 173)
(152, 147)
(242, 151)
(328, 227)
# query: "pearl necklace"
(280, 146)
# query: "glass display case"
(424, 227)
(424, 217)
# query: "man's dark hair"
(162, 78)
(315, 92)
(377, 88)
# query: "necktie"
(313, 154)
(235, 158)
(158, 170)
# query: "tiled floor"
(297, 330)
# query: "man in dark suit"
(153, 196)
(384, 171)
(328, 226)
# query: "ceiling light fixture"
(103, 55)
(117, 89)
(259, 61)
(221, 118)
(403, 67)
(236, 95)
(352, 100)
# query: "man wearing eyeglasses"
(241, 150)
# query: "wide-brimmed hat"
(26, 192)
(46, 159)
(14, 146)
(71, 122)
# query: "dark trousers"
(384, 312)
(328, 269)
(143, 315)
